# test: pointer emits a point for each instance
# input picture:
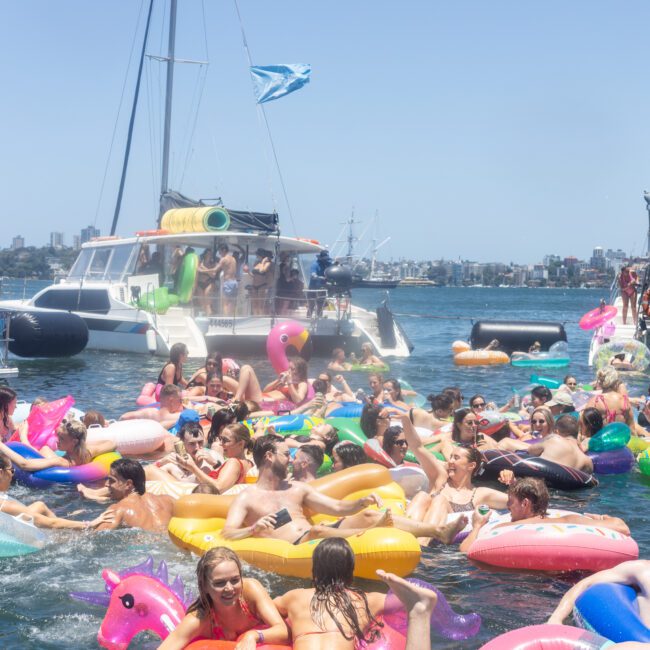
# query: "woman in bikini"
(628, 282)
(8, 399)
(235, 442)
(613, 405)
(71, 436)
(172, 371)
(333, 614)
(452, 490)
(229, 607)
(205, 280)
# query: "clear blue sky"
(487, 130)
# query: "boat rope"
(262, 116)
(117, 117)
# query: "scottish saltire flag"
(275, 81)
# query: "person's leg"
(249, 386)
(633, 300)
(419, 603)
(626, 300)
(436, 515)
(376, 518)
(419, 506)
(39, 508)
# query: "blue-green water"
(35, 611)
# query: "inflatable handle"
(612, 436)
(444, 621)
(545, 381)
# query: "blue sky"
(486, 130)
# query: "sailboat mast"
(164, 184)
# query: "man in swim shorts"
(135, 508)
(227, 266)
(528, 504)
(256, 510)
(171, 406)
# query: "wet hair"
(241, 433)
(170, 390)
(5, 463)
(542, 393)
(366, 348)
(473, 456)
(332, 574)
(592, 420)
(177, 351)
(533, 489)
(93, 417)
(213, 558)
(546, 414)
(7, 395)
(459, 416)
(397, 387)
(390, 435)
(300, 368)
(350, 454)
(128, 469)
(337, 351)
(567, 425)
(475, 397)
(319, 386)
(369, 419)
(442, 402)
(264, 444)
(190, 430)
(455, 392)
(315, 453)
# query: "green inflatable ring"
(644, 462)
(187, 278)
(357, 367)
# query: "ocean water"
(36, 611)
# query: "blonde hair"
(546, 414)
(608, 378)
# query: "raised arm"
(625, 573)
(327, 506)
(434, 469)
(33, 464)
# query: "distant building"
(56, 240)
(76, 242)
(17, 242)
(88, 233)
(598, 260)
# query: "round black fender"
(47, 334)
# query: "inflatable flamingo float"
(285, 336)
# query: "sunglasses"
(401, 443)
(538, 421)
(479, 405)
(472, 423)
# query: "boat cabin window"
(89, 300)
(99, 263)
(122, 262)
(78, 269)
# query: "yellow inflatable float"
(199, 518)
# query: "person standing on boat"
(262, 273)
(227, 266)
(627, 282)
(317, 283)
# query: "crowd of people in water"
(214, 452)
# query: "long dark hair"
(332, 572)
(459, 416)
(7, 395)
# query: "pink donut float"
(597, 317)
(551, 546)
(547, 637)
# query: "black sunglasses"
(401, 443)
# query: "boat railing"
(15, 288)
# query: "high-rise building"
(56, 240)
(598, 260)
(88, 233)
(17, 242)
(76, 242)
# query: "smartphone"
(282, 517)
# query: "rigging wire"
(262, 113)
(117, 117)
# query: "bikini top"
(177, 376)
(610, 415)
(217, 629)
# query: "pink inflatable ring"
(597, 317)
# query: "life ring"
(96, 470)
(551, 546)
(548, 637)
(481, 358)
(198, 519)
(597, 317)
(151, 233)
(310, 241)
(19, 536)
(282, 337)
(611, 609)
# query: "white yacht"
(126, 312)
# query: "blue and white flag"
(275, 81)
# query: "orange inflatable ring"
(481, 358)
(151, 233)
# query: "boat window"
(89, 300)
(99, 263)
(121, 262)
(81, 264)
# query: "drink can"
(483, 510)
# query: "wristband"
(260, 637)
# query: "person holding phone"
(258, 511)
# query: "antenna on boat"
(646, 196)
